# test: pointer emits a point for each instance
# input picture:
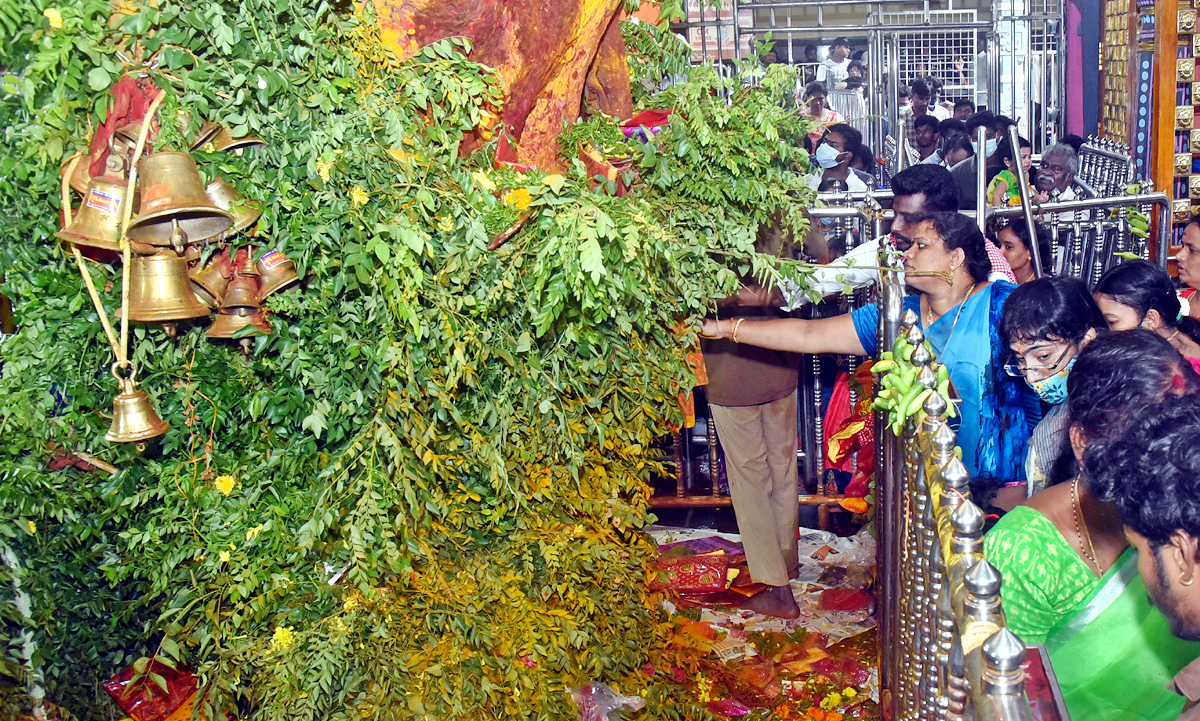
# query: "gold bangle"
(735, 325)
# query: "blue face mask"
(1053, 390)
(826, 156)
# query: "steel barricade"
(945, 652)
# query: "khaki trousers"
(760, 459)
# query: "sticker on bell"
(104, 201)
(272, 259)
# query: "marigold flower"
(283, 638)
(225, 484)
(358, 196)
(518, 198)
(56, 21)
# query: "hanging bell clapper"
(179, 238)
(169, 329)
(246, 349)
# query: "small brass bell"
(225, 196)
(209, 283)
(98, 221)
(134, 418)
(242, 294)
(243, 262)
(173, 192)
(275, 272)
(224, 141)
(229, 323)
(160, 290)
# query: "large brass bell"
(208, 131)
(224, 141)
(160, 290)
(134, 418)
(173, 192)
(209, 282)
(225, 196)
(98, 222)
(242, 294)
(275, 272)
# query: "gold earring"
(1188, 582)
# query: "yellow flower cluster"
(56, 21)
(323, 168)
(225, 484)
(283, 638)
(358, 196)
(831, 701)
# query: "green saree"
(1112, 652)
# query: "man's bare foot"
(777, 602)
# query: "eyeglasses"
(1021, 370)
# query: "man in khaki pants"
(752, 397)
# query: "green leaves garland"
(420, 497)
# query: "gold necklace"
(929, 308)
(1081, 530)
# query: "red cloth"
(648, 118)
(837, 414)
(999, 262)
(131, 100)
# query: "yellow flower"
(358, 196)
(351, 603)
(704, 690)
(323, 169)
(224, 556)
(32, 526)
(445, 223)
(484, 181)
(831, 701)
(252, 533)
(518, 198)
(225, 484)
(849, 692)
(55, 19)
(341, 625)
(283, 638)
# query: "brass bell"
(275, 272)
(160, 290)
(225, 196)
(134, 418)
(224, 141)
(243, 262)
(242, 293)
(81, 176)
(98, 221)
(208, 131)
(172, 191)
(209, 282)
(128, 133)
(230, 323)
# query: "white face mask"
(826, 156)
(989, 146)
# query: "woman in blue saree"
(947, 265)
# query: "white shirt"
(856, 269)
(832, 73)
(854, 184)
